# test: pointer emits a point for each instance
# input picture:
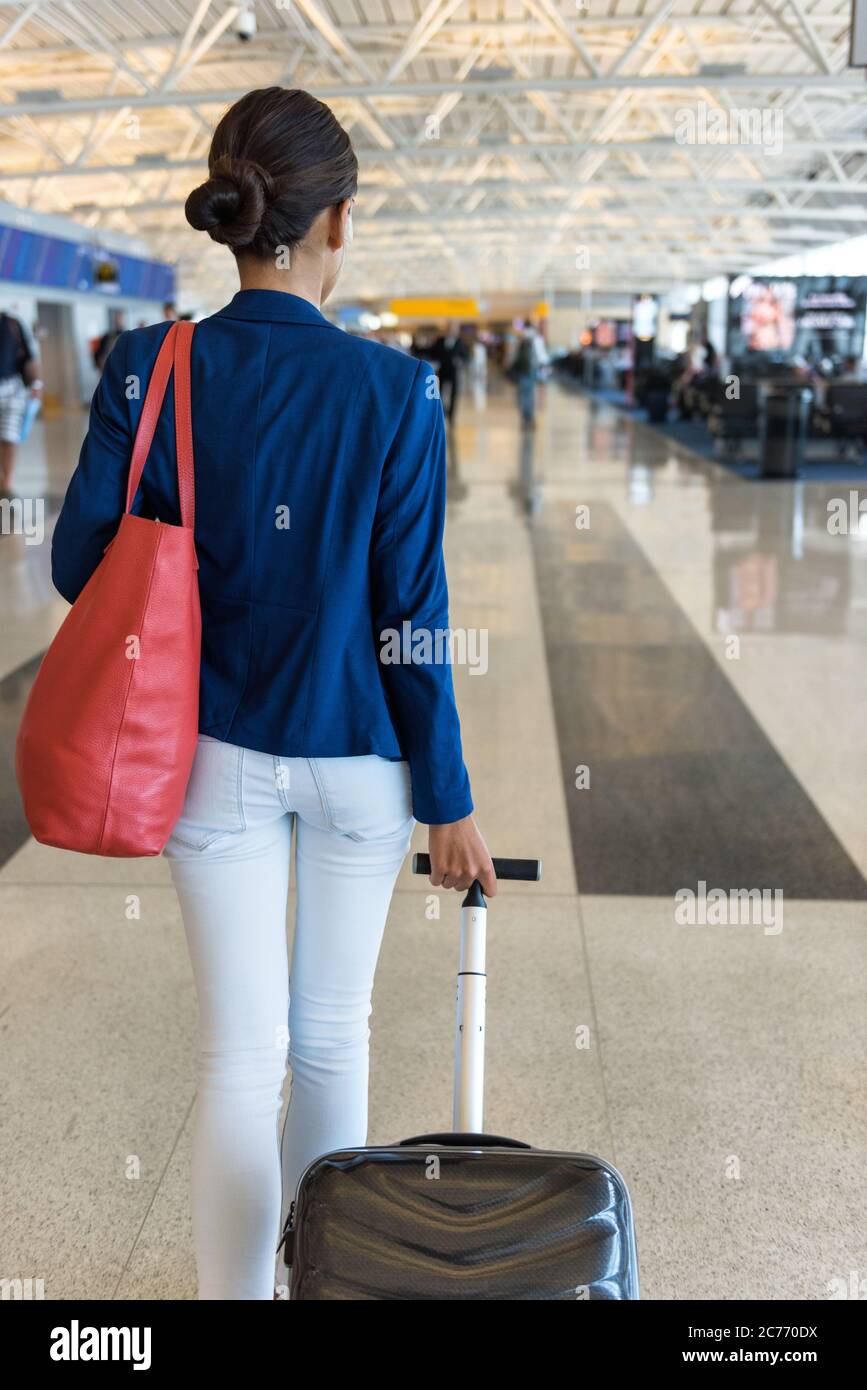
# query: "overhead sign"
(435, 308)
(811, 316)
(37, 258)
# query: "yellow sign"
(541, 310)
(435, 308)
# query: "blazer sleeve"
(96, 496)
(409, 585)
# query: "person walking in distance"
(529, 357)
(19, 382)
(449, 353)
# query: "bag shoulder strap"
(174, 353)
(184, 423)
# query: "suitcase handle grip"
(467, 1141)
(528, 870)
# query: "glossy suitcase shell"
(465, 1221)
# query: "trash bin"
(657, 388)
(783, 419)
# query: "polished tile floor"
(676, 693)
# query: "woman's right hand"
(458, 855)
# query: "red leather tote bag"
(106, 743)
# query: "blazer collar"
(272, 306)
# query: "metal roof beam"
(840, 84)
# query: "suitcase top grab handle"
(465, 1141)
(528, 870)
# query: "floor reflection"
(776, 566)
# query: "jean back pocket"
(214, 804)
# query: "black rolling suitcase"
(464, 1215)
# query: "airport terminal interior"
(630, 236)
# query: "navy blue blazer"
(320, 506)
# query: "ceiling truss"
(505, 145)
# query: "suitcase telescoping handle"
(469, 1093)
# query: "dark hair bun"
(231, 204)
(278, 158)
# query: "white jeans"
(229, 856)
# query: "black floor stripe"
(14, 690)
(684, 785)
